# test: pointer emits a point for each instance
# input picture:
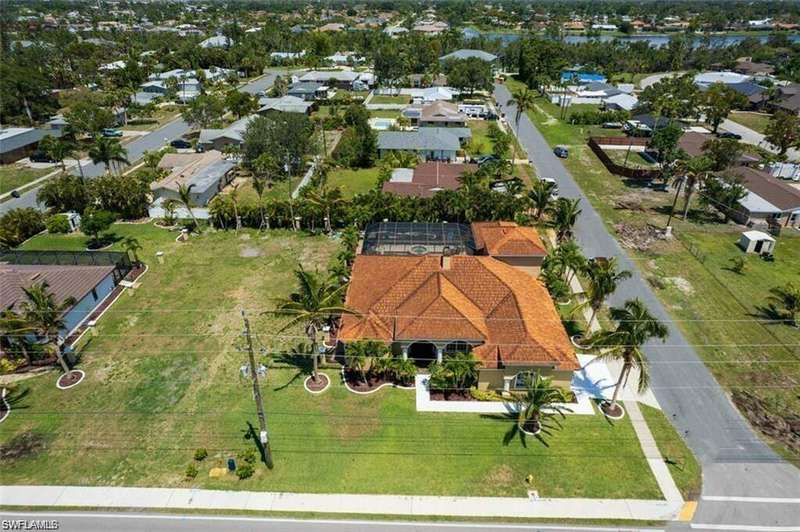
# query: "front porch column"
(439, 354)
(405, 352)
(507, 383)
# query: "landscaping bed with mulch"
(317, 385)
(457, 395)
(355, 381)
(70, 379)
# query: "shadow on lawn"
(514, 432)
(252, 434)
(299, 358)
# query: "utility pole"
(262, 418)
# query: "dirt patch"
(25, 445)
(681, 284)
(640, 238)
(501, 475)
(783, 428)
(460, 395)
(318, 385)
(249, 252)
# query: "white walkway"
(197, 499)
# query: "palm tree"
(563, 215)
(109, 152)
(326, 199)
(693, 173)
(313, 304)
(524, 100)
(260, 187)
(541, 197)
(170, 205)
(132, 246)
(634, 326)
(185, 197)
(14, 329)
(788, 297)
(568, 259)
(540, 403)
(603, 278)
(46, 317)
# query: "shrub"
(248, 456)
(245, 470)
(485, 395)
(594, 117)
(9, 366)
(18, 225)
(191, 471)
(200, 454)
(57, 223)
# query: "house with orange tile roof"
(429, 302)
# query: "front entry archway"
(422, 353)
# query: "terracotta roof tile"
(507, 239)
(474, 298)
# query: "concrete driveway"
(737, 465)
(755, 138)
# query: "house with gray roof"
(309, 90)
(469, 54)
(217, 139)
(429, 143)
(284, 104)
(19, 142)
(217, 41)
(207, 173)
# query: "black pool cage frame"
(120, 260)
(418, 238)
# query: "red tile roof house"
(426, 306)
(427, 178)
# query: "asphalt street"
(96, 522)
(736, 463)
(137, 147)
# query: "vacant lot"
(163, 380)
(354, 181)
(722, 313)
(384, 99)
(14, 176)
(755, 121)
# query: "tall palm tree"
(260, 187)
(569, 257)
(541, 403)
(326, 199)
(563, 215)
(603, 278)
(132, 247)
(693, 173)
(109, 152)
(314, 302)
(524, 100)
(14, 329)
(46, 316)
(540, 197)
(185, 197)
(634, 326)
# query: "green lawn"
(14, 176)
(345, 94)
(354, 181)
(755, 121)
(719, 310)
(385, 99)
(161, 116)
(163, 380)
(384, 113)
(682, 464)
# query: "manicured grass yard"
(386, 99)
(161, 116)
(384, 113)
(755, 121)
(14, 176)
(354, 181)
(682, 464)
(163, 379)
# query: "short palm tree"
(634, 327)
(538, 409)
(260, 187)
(185, 197)
(313, 304)
(132, 247)
(603, 278)
(788, 298)
(46, 316)
(14, 331)
(109, 152)
(326, 199)
(540, 197)
(563, 215)
(570, 259)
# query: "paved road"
(755, 138)
(88, 522)
(735, 461)
(137, 147)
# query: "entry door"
(759, 245)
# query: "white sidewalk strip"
(772, 500)
(144, 498)
(753, 528)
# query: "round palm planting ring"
(612, 410)
(70, 379)
(318, 385)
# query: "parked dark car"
(730, 135)
(561, 151)
(15, 194)
(483, 159)
(181, 144)
(41, 157)
(111, 132)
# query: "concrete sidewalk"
(200, 499)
